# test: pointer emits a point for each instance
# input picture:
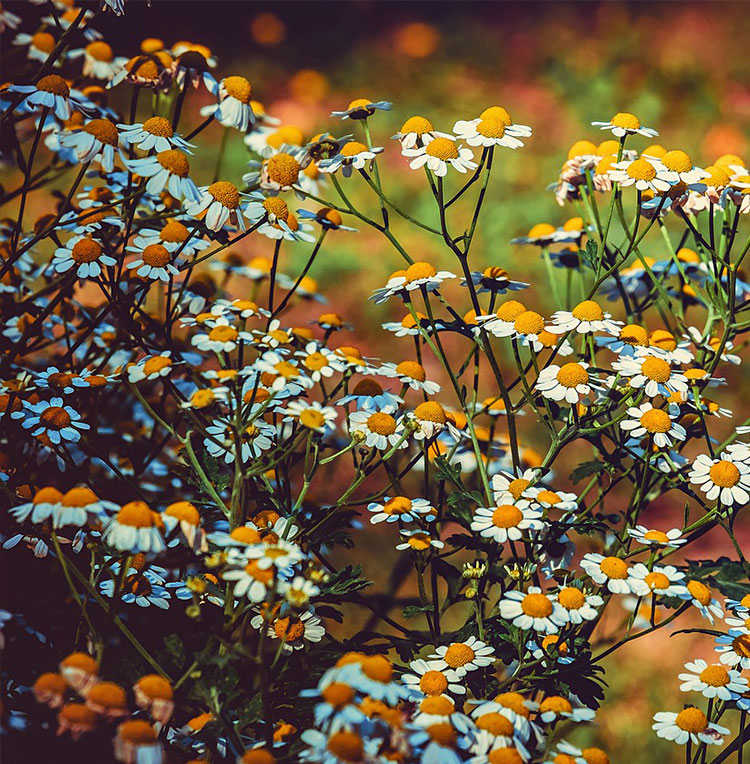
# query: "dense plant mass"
(201, 481)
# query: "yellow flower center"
(418, 125)
(86, 251)
(657, 581)
(442, 148)
(437, 705)
(504, 756)
(174, 161)
(659, 536)
(594, 756)
(398, 505)
(433, 683)
(714, 676)
(656, 369)
(226, 193)
(581, 148)
(285, 628)
(352, 148)
(517, 487)
(156, 255)
(137, 514)
(724, 474)
(588, 310)
(634, 335)
(412, 369)
(368, 387)
(239, 88)
(656, 420)
(55, 418)
(338, 694)
(548, 497)
(641, 169)
(506, 516)
(312, 419)
(223, 334)
(347, 746)
(626, 121)
(430, 411)
(677, 161)
(614, 567)
(510, 310)
(491, 127)
(103, 130)
(497, 112)
(44, 42)
(53, 83)
(536, 605)
(107, 694)
(282, 169)
(496, 724)
(692, 720)
(79, 497)
(459, 654)
(541, 231)
(159, 126)
(529, 322)
(276, 206)
(381, 423)
(571, 598)
(419, 270)
(556, 704)
(572, 375)
(741, 645)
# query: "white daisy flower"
(419, 541)
(255, 438)
(155, 262)
(362, 108)
(135, 528)
(45, 503)
(419, 275)
(494, 127)
(251, 580)
(438, 154)
(79, 507)
(577, 606)
(506, 522)
(400, 509)
(734, 648)
(168, 169)
(415, 131)
(174, 235)
(235, 107)
(613, 572)
(85, 253)
(549, 499)
(699, 596)
(99, 61)
(585, 317)
(623, 123)
(656, 538)
(320, 362)
(462, 657)
(661, 580)
(353, 155)
(411, 374)
(377, 428)
(155, 134)
(639, 173)
(221, 338)
(676, 166)
(712, 681)
(50, 92)
(508, 488)
(285, 370)
(555, 707)
(567, 383)
(689, 724)
(724, 479)
(296, 631)
(494, 279)
(312, 415)
(218, 204)
(96, 141)
(658, 424)
(432, 678)
(652, 372)
(532, 610)
(53, 418)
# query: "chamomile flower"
(429, 418)
(419, 541)
(506, 522)
(577, 605)
(222, 337)
(79, 507)
(727, 480)
(400, 509)
(613, 572)
(135, 528)
(419, 275)
(155, 262)
(156, 134)
(568, 383)
(218, 204)
(549, 499)
(320, 362)
(440, 153)
(676, 166)
(712, 681)
(690, 724)
(362, 108)
(55, 420)
(168, 170)
(652, 372)
(378, 429)
(656, 538)
(507, 487)
(40, 46)
(235, 106)
(661, 580)
(174, 235)
(494, 279)
(466, 656)
(586, 317)
(734, 648)
(554, 707)
(251, 580)
(224, 442)
(368, 395)
(85, 254)
(432, 678)
(494, 127)
(96, 141)
(150, 368)
(415, 131)
(570, 754)
(639, 173)
(353, 155)
(699, 595)
(532, 610)
(312, 415)
(657, 424)
(623, 123)
(50, 92)
(44, 504)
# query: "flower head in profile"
(624, 123)
(493, 127)
(362, 108)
